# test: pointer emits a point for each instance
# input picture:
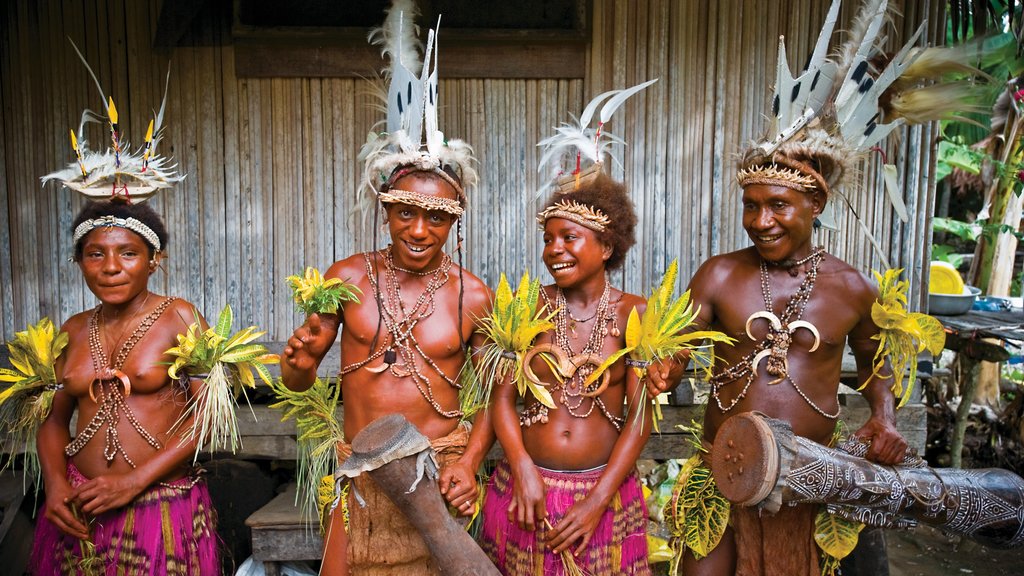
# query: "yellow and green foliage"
(315, 295)
(664, 330)
(698, 514)
(836, 537)
(27, 401)
(317, 435)
(513, 324)
(228, 361)
(902, 334)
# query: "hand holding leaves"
(314, 294)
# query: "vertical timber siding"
(271, 167)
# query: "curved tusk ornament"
(772, 318)
(794, 326)
(756, 361)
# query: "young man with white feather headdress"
(404, 346)
(793, 306)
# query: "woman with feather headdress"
(121, 495)
(567, 496)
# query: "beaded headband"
(584, 215)
(425, 201)
(114, 222)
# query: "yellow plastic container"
(945, 279)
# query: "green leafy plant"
(664, 331)
(313, 294)
(513, 324)
(228, 360)
(318, 433)
(27, 401)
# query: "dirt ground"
(925, 551)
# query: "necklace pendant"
(125, 381)
(615, 330)
(390, 356)
(572, 329)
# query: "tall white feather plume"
(579, 141)
(798, 100)
(413, 136)
(400, 45)
(128, 172)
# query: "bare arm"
(887, 445)
(54, 434)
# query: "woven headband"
(114, 222)
(584, 215)
(425, 201)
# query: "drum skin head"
(745, 459)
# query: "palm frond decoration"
(27, 401)
(228, 361)
(902, 335)
(664, 331)
(317, 435)
(474, 394)
(514, 323)
(315, 295)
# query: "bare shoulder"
(629, 301)
(717, 270)
(351, 269)
(182, 313)
(477, 294)
(77, 323)
(849, 282)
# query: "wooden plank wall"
(272, 176)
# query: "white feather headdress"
(840, 107)
(117, 171)
(413, 137)
(585, 147)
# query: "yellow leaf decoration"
(697, 514)
(514, 323)
(27, 401)
(228, 362)
(902, 334)
(664, 330)
(314, 294)
(836, 537)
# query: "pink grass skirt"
(618, 546)
(169, 530)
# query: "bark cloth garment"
(380, 539)
(774, 545)
(168, 530)
(618, 546)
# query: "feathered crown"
(117, 171)
(839, 108)
(585, 148)
(413, 138)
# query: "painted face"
(418, 235)
(780, 220)
(573, 253)
(116, 264)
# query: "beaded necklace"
(775, 345)
(111, 396)
(400, 352)
(572, 393)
